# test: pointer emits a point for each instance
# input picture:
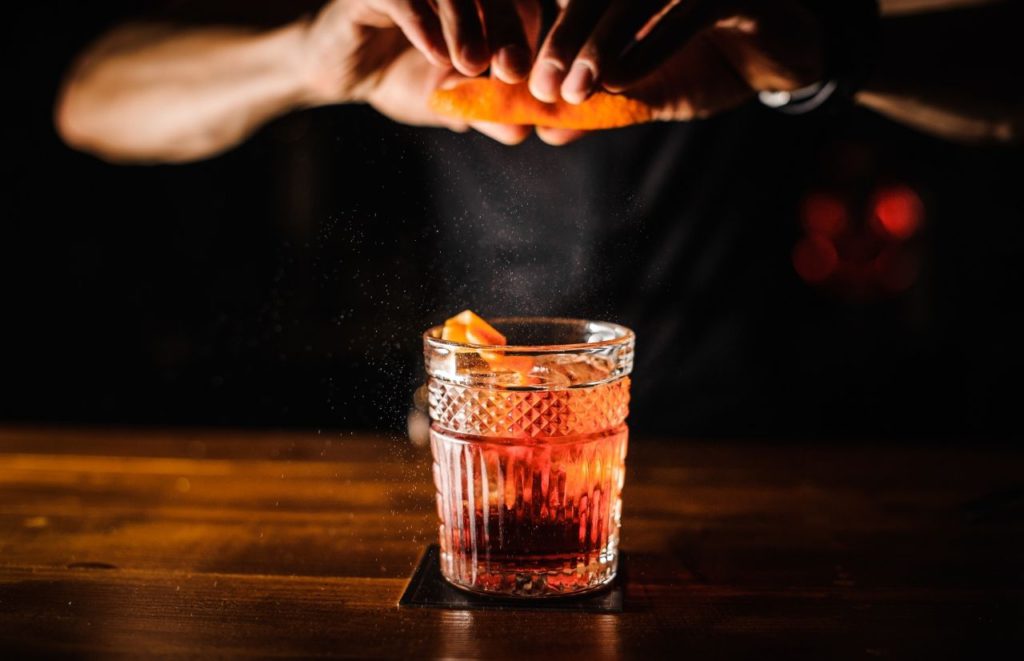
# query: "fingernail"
(578, 84)
(514, 63)
(545, 81)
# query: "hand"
(393, 54)
(689, 59)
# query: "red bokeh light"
(815, 258)
(825, 214)
(860, 257)
(899, 212)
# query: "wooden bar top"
(125, 543)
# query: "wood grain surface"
(122, 543)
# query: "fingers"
(507, 134)
(567, 36)
(587, 36)
(452, 33)
(672, 31)
(531, 15)
(421, 26)
(616, 30)
(464, 33)
(506, 20)
(614, 43)
(506, 39)
(558, 137)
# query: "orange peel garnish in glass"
(467, 327)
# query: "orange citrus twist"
(489, 100)
(469, 328)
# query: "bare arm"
(156, 92)
(949, 67)
(953, 68)
(171, 93)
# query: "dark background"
(286, 283)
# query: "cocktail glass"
(529, 462)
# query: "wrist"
(284, 55)
(326, 61)
(299, 64)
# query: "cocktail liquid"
(529, 485)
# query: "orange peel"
(489, 100)
(467, 327)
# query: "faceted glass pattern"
(533, 413)
(529, 478)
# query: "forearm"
(163, 93)
(955, 74)
(903, 7)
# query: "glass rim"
(624, 336)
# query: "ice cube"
(564, 371)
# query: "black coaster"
(428, 589)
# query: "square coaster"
(428, 589)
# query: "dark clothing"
(287, 282)
(684, 233)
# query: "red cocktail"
(529, 442)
